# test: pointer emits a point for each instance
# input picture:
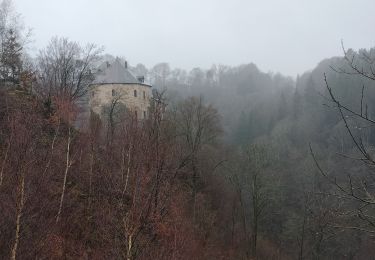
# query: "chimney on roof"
(126, 64)
(141, 79)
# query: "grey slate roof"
(114, 73)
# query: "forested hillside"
(316, 134)
(231, 162)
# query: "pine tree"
(11, 62)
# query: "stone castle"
(114, 81)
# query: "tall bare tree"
(251, 187)
(65, 69)
(357, 188)
(197, 126)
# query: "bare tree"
(65, 69)
(23, 152)
(197, 126)
(65, 112)
(251, 187)
(13, 38)
(113, 113)
(356, 188)
(160, 73)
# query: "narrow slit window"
(144, 114)
(135, 93)
(144, 94)
(113, 92)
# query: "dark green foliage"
(11, 63)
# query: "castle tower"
(116, 82)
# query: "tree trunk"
(67, 166)
(3, 164)
(130, 247)
(52, 149)
(90, 174)
(127, 170)
(21, 203)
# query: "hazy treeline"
(305, 208)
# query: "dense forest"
(231, 163)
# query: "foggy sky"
(287, 36)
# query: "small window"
(113, 92)
(136, 114)
(135, 93)
(144, 114)
(92, 94)
(144, 94)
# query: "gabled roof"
(114, 73)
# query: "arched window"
(135, 93)
(144, 94)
